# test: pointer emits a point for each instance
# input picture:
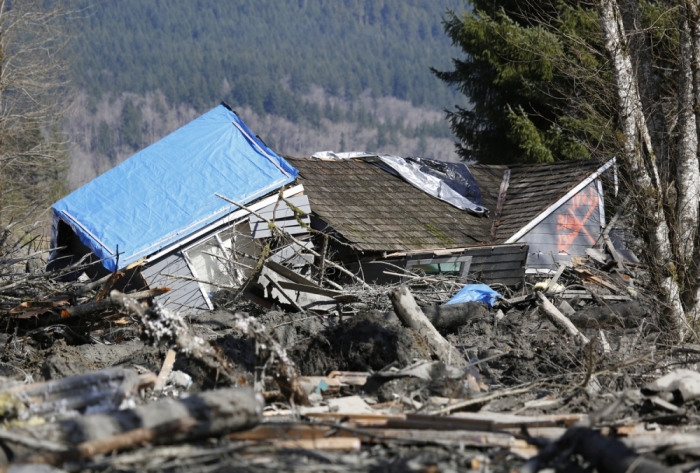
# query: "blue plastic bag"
(475, 293)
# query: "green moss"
(444, 239)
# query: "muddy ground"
(506, 349)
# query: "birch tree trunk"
(643, 173)
(688, 171)
(693, 279)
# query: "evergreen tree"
(104, 143)
(524, 63)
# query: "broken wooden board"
(293, 254)
(280, 209)
(106, 388)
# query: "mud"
(63, 360)
(361, 343)
(129, 353)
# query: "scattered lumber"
(207, 414)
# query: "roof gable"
(534, 188)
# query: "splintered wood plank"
(331, 443)
(288, 431)
(289, 274)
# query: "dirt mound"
(364, 342)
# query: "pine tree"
(519, 72)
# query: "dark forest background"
(306, 75)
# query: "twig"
(480, 400)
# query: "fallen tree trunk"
(411, 316)
(604, 454)
(558, 318)
(212, 413)
(106, 387)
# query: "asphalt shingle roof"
(377, 211)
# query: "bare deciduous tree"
(33, 92)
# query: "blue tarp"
(167, 191)
(475, 293)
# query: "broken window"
(224, 260)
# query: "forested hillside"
(351, 74)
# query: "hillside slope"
(309, 74)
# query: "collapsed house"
(200, 209)
(164, 217)
(556, 208)
(375, 215)
(531, 217)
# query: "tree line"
(265, 54)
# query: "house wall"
(222, 259)
(185, 295)
(504, 264)
(568, 231)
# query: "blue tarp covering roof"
(167, 191)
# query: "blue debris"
(475, 293)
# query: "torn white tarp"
(411, 172)
(430, 184)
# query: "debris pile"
(566, 372)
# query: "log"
(211, 413)
(447, 317)
(96, 307)
(603, 454)
(558, 318)
(451, 317)
(413, 317)
(107, 387)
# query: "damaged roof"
(377, 211)
(532, 188)
(167, 191)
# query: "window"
(449, 265)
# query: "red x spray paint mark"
(569, 226)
